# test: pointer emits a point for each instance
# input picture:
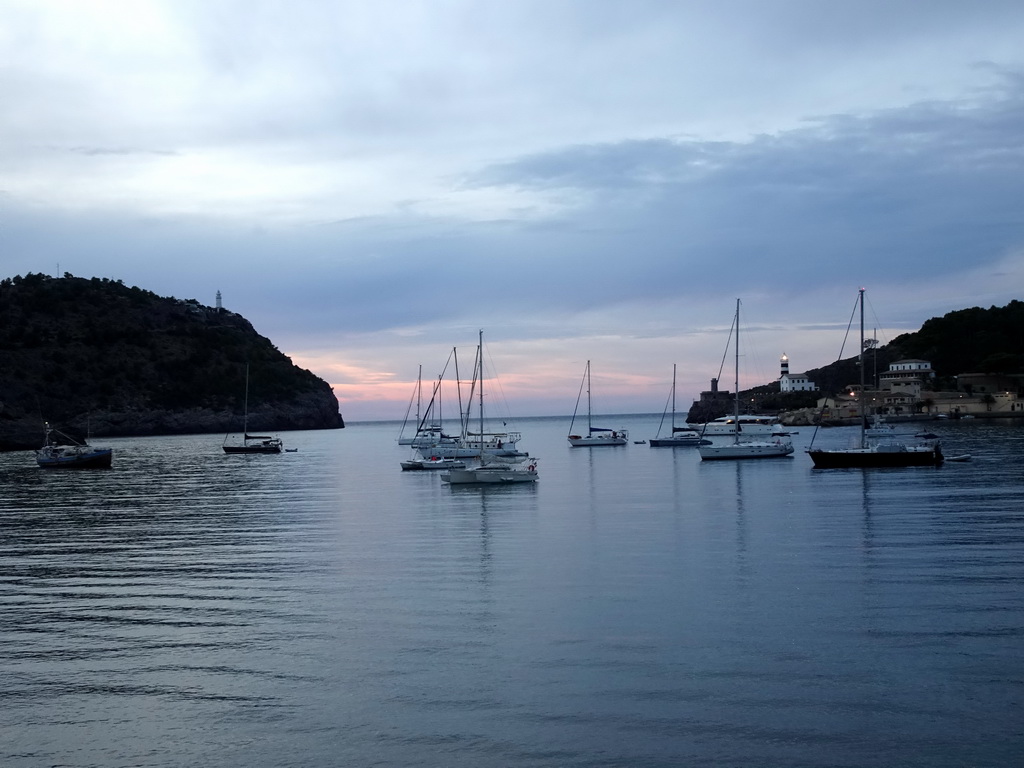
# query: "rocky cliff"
(96, 355)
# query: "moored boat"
(417, 396)
(494, 469)
(493, 474)
(745, 448)
(879, 427)
(883, 454)
(431, 463)
(252, 443)
(256, 444)
(71, 454)
(678, 437)
(681, 437)
(470, 446)
(431, 441)
(888, 450)
(750, 424)
(596, 436)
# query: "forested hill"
(99, 355)
(971, 340)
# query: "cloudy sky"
(370, 183)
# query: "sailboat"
(252, 443)
(429, 439)
(433, 442)
(428, 425)
(678, 436)
(494, 468)
(595, 436)
(737, 448)
(887, 451)
(417, 395)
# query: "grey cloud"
(898, 194)
(124, 151)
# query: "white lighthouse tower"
(793, 382)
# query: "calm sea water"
(635, 608)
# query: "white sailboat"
(677, 436)
(428, 445)
(433, 442)
(494, 469)
(737, 448)
(596, 436)
(417, 395)
(428, 431)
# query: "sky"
(372, 183)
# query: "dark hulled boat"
(887, 452)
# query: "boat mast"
(860, 362)
(480, 354)
(419, 398)
(673, 399)
(463, 415)
(245, 412)
(590, 430)
(736, 380)
(440, 415)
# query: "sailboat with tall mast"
(677, 436)
(432, 442)
(417, 395)
(596, 436)
(427, 446)
(494, 468)
(252, 443)
(736, 447)
(885, 452)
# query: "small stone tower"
(783, 365)
(220, 306)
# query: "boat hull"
(463, 448)
(677, 442)
(426, 465)
(756, 450)
(750, 425)
(904, 456)
(261, 448)
(490, 476)
(94, 458)
(425, 439)
(619, 437)
(471, 452)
